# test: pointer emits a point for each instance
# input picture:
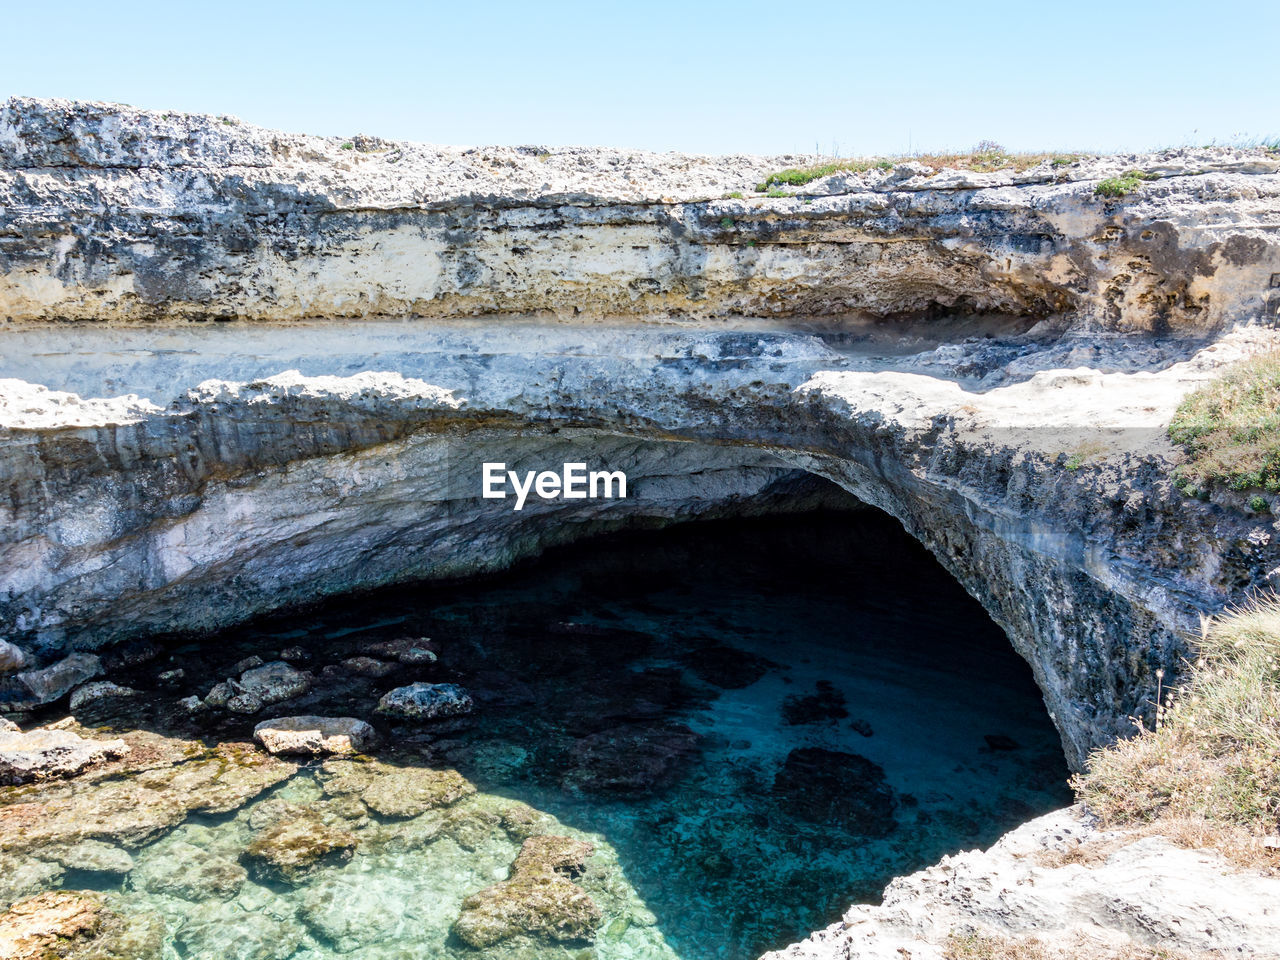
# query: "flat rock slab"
(315, 735)
(42, 754)
(426, 701)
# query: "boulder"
(12, 658)
(274, 682)
(426, 701)
(98, 690)
(538, 901)
(42, 753)
(315, 735)
(58, 679)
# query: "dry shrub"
(983, 946)
(1213, 761)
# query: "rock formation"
(185, 475)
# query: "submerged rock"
(186, 871)
(274, 682)
(92, 856)
(41, 754)
(157, 785)
(538, 901)
(349, 912)
(727, 667)
(411, 651)
(841, 789)
(635, 759)
(426, 701)
(411, 791)
(77, 926)
(368, 667)
(824, 704)
(98, 690)
(293, 848)
(315, 735)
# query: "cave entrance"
(755, 721)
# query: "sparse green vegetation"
(1213, 756)
(735, 195)
(1064, 159)
(726, 222)
(348, 146)
(777, 193)
(799, 176)
(1123, 185)
(1259, 504)
(1230, 429)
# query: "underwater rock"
(368, 667)
(350, 912)
(92, 856)
(426, 701)
(411, 651)
(248, 663)
(155, 787)
(315, 735)
(216, 930)
(634, 759)
(295, 654)
(411, 791)
(827, 703)
(54, 681)
(77, 926)
(292, 849)
(843, 790)
(12, 658)
(22, 876)
(41, 754)
(219, 695)
(274, 682)
(538, 901)
(98, 690)
(1000, 741)
(190, 873)
(727, 667)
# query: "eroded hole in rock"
(734, 728)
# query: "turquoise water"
(755, 724)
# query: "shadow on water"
(768, 719)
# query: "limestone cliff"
(990, 358)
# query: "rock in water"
(292, 849)
(842, 789)
(538, 901)
(58, 679)
(73, 924)
(41, 754)
(315, 735)
(426, 701)
(191, 873)
(98, 690)
(274, 682)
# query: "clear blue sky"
(711, 77)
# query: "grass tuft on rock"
(1214, 755)
(1230, 429)
(1123, 185)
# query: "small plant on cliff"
(1123, 185)
(348, 146)
(1230, 430)
(1214, 755)
(799, 176)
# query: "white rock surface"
(315, 735)
(1147, 893)
(43, 753)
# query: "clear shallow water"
(755, 723)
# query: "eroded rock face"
(214, 481)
